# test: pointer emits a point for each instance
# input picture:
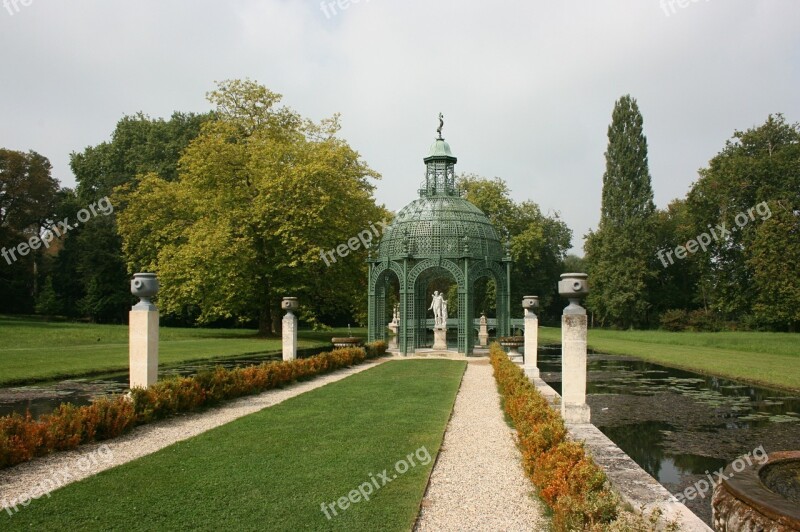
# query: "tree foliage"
(620, 253)
(28, 198)
(744, 270)
(539, 242)
(90, 274)
(259, 194)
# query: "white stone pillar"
(289, 328)
(573, 349)
(530, 366)
(143, 332)
(483, 332)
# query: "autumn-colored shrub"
(64, 428)
(574, 487)
(111, 417)
(22, 437)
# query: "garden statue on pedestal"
(436, 307)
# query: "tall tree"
(755, 178)
(678, 284)
(621, 252)
(28, 196)
(259, 195)
(774, 258)
(91, 274)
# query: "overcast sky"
(526, 87)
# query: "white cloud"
(527, 88)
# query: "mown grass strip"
(768, 359)
(35, 350)
(273, 470)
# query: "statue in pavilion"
(436, 307)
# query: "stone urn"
(290, 304)
(144, 286)
(759, 495)
(530, 303)
(513, 343)
(574, 287)
(350, 341)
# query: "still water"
(678, 425)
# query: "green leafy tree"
(759, 165)
(47, 301)
(28, 195)
(774, 258)
(91, 275)
(538, 243)
(678, 283)
(621, 252)
(573, 263)
(259, 197)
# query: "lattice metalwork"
(440, 234)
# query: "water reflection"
(678, 425)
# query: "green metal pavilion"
(441, 234)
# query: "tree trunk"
(276, 323)
(264, 323)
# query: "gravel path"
(478, 482)
(37, 478)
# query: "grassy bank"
(273, 470)
(33, 350)
(770, 359)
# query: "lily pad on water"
(783, 419)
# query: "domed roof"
(440, 224)
(436, 226)
(440, 149)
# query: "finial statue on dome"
(441, 125)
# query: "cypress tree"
(621, 252)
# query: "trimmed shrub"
(571, 484)
(23, 438)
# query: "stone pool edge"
(629, 480)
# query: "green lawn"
(274, 469)
(771, 359)
(33, 350)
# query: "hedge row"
(571, 484)
(23, 438)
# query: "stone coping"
(747, 486)
(629, 480)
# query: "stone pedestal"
(515, 356)
(143, 348)
(440, 338)
(573, 369)
(289, 329)
(483, 332)
(143, 332)
(530, 365)
(574, 409)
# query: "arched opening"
(438, 282)
(485, 304)
(384, 305)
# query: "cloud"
(527, 88)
